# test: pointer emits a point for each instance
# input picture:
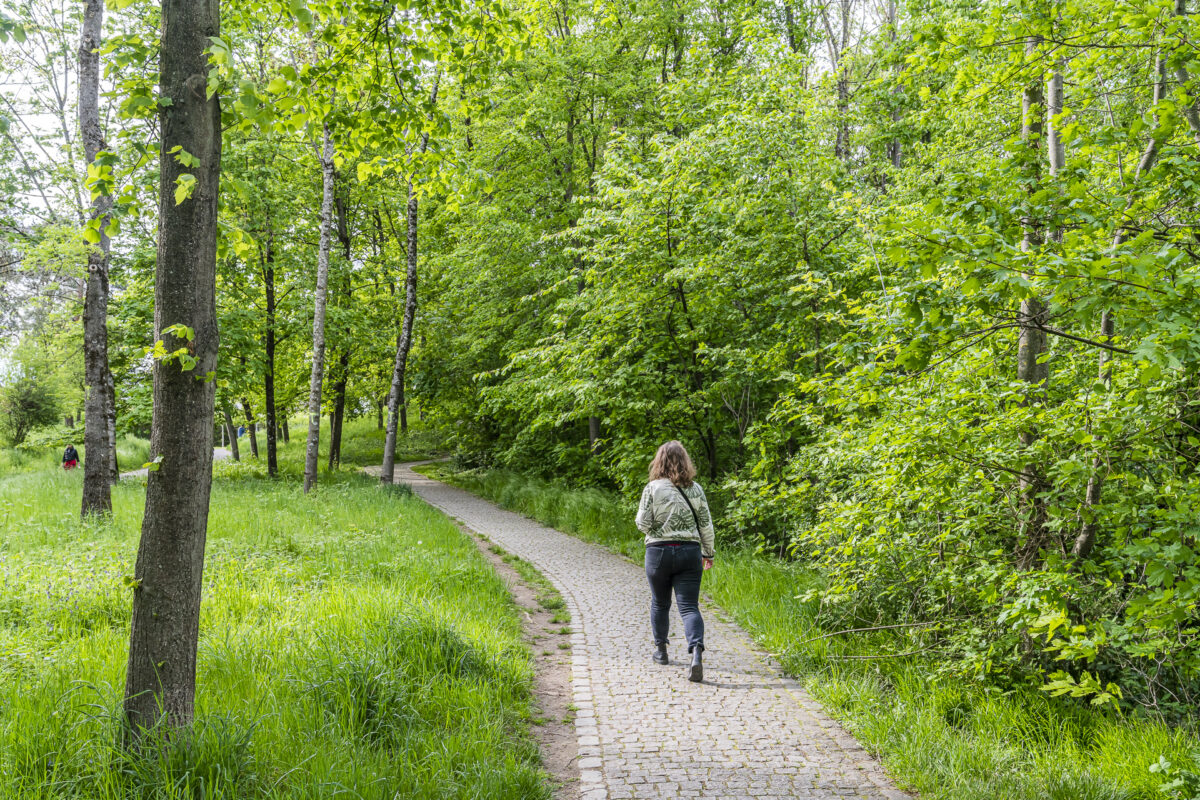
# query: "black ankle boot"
(660, 654)
(696, 670)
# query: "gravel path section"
(645, 731)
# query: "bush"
(26, 404)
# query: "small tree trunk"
(233, 440)
(1086, 538)
(1032, 338)
(379, 415)
(312, 450)
(287, 436)
(161, 677)
(396, 398)
(339, 410)
(269, 347)
(251, 428)
(114, 466)
(97, 467)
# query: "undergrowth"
(948, 739)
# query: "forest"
(916, 282)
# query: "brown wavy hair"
(673, 463)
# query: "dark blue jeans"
(675, 567)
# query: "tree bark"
(287, 436)
(397, 407)
(339, 410)
(161, 676)
(98, 465)
(232, 431)
(1032, 318)
(269, 347)
(318, 364)
(1085, 540)
(114, 472)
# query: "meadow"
(354, 643)
(946, 738)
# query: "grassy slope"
(947, 739)
(352, 639)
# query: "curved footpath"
(644, 730)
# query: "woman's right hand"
(708, 563)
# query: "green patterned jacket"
(664, 516)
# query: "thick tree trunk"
(232, 432)
(98, 465)
(318, 364)
(1032, 318)
(161, 678)
(269, 347)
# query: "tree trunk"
(1032, 318)
(318, 363)
(233, 440)
(269, 347)
(97, 467)
(396, 403)
(1086, 538)
(396, 398)
(161, 677)
(287, 436)
(594, 433)
(379, 416)
(339, 410)
(114, 472)
(343, 362)
(251, 428)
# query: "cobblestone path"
(644, 730)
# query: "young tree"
(161, 674)
(99, 466)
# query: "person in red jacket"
(70, 457)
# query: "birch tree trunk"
(98, 464)
(161, 676)
(1089, 527)
(396, 397)
(318, 364)
(1031, 344)
(396, 402)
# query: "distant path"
(219, 454)
(644, 730)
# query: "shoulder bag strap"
(695, 518)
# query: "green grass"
(132, 453)
(947, 739)
(354, 643)
(362, 446)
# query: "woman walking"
(675, 518)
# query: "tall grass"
(353, 644)
(947, 739)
